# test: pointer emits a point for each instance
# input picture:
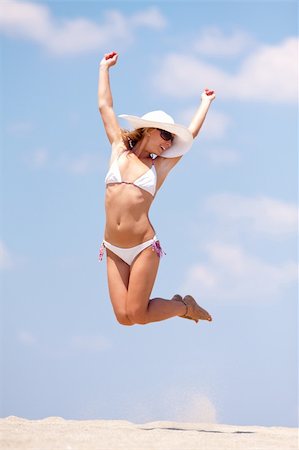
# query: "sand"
(55, 433)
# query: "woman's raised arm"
(105, 102)
(199, 117)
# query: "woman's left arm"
(199, 117)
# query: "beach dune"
(55, 433)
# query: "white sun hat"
(183, 138)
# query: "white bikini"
(147, 182)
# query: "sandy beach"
(55, 433)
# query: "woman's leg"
(118, 279)
(140, 309)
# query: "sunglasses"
(166, 135)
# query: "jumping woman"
(134, 177)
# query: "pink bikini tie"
(156, 247)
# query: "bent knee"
(137, 316)
(123, 319)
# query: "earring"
(131, 144)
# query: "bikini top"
(147, 181)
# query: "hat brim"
(182, 141)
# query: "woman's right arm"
(105, 101)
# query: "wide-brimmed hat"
(159, 119)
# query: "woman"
(134, 177)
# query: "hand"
(109, 59)
(208, 94)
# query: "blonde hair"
(131, 137)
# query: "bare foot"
(179, 298)
(194, 311)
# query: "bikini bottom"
(129, 254)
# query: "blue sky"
(226, 217)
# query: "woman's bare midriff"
(127, 222)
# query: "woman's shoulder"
(117, 148)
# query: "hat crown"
(158, 116)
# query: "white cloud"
(25, 19)
(40, 158)
(61, 37)
(151, 18)
(268, 74)
(87, 343)
(6, 258)
(213, 129)
(217, 125)
(20, 127)
(82, 164)
(27, 338)
(81, 35)
(37, 159)
(230, 275)
(90, 343)
(213, 42)
(261, 214)
(221, 156)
